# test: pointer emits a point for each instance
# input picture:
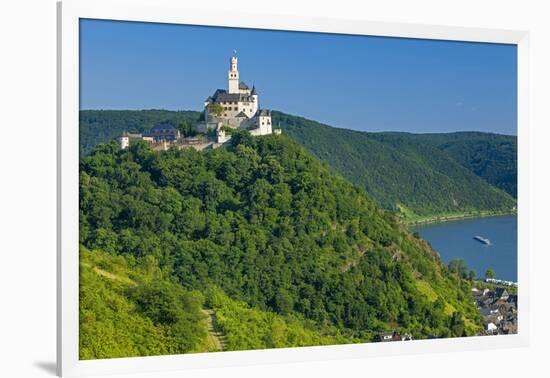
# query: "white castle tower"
(124, 141)
(233, 75)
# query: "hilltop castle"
(236, 107)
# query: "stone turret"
(124, 140)
(254, 95)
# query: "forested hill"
(420, 175)
(491, 156)
(259, 231)
(415, 174)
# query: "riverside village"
(225, 111)
(497, 305)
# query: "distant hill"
(420, 175)
(416, 174)
(491, 156)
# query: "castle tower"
(233, 75)
(254, 95)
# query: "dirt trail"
(215, 337)
(112, 276)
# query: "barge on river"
(483, 240)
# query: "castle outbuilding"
(163, 132)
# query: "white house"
(491, 327)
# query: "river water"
(454, 240)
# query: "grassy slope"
(245, 327)
(112, 325)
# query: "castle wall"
(264, 123)
(222, 137)
(231, 109)
(248, 107)
(235, 122)
(124, 142)
(203, 127)
(260, 125)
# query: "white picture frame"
(173, 11)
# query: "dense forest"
(260, 231)
(491, 156)
(421, 176)
(416, 175)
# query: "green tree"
(215, 110)
(456, 325)
(490, 273)
(458, 267)
(228, 130)
(185, 128)
(284, 302)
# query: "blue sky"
(357, 82)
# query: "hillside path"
(215, 337)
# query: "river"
(454, 240)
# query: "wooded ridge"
(260, 230)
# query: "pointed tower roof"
(254, 92)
